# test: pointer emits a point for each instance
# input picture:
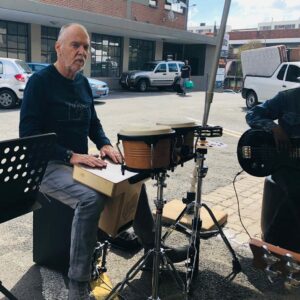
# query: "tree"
(250, 45)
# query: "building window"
(288, 26)
(178, 6)
(14, 40)
(48, 38)
(265, 28)
(140, 51)
(105, 55)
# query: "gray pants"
(88, 204)
(182, 83)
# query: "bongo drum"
(147, 148)
(184, 138)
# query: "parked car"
(99, 88)
(14, 74)
(35, 67)
(153, 74)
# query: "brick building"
(268, 35)
(271, 37)
(124, 34)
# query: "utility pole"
(187, 14)
(211, 85)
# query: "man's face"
(72, 49)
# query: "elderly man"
(59, 99)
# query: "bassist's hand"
(282, 140)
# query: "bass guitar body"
(258, 156)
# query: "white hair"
(66, 26)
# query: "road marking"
(225, 130)
(232, 133)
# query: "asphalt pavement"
(29, 281)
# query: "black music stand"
(22, 166)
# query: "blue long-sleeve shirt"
(284, 107)
(53, 103)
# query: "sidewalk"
(250, 192)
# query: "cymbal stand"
(158, 253)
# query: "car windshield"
(23, 66)
(149, 66)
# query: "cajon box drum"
(120, 208)
(184, 138)
(147, 148)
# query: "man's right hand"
(88, 160)
(282, 140)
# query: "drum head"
(139, 131)
(179, 123)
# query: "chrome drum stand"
(193, 203)
(157, 254)
(196, 235)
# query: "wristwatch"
(68, 156)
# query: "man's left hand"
(114, 155)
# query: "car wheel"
(8, 99)
(142, 85)
(251, 99)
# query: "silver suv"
(153, 74)
(14, 74)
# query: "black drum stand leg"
(157, 254)
(236, 266)
(177, 225)
(6, 292)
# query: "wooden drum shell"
(184, 138)
(142, 156)
(147, 148)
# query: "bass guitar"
(258, 156)
(276, 262)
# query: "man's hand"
(88, 160)
(114, 155)
(282, 140)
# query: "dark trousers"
(284, 229)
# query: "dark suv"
(153, 74)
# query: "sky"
(243, 13)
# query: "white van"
(14, 74)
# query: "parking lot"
(29, 281)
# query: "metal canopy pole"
(211, 85)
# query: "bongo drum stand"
(158, 253)
(195, 234)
